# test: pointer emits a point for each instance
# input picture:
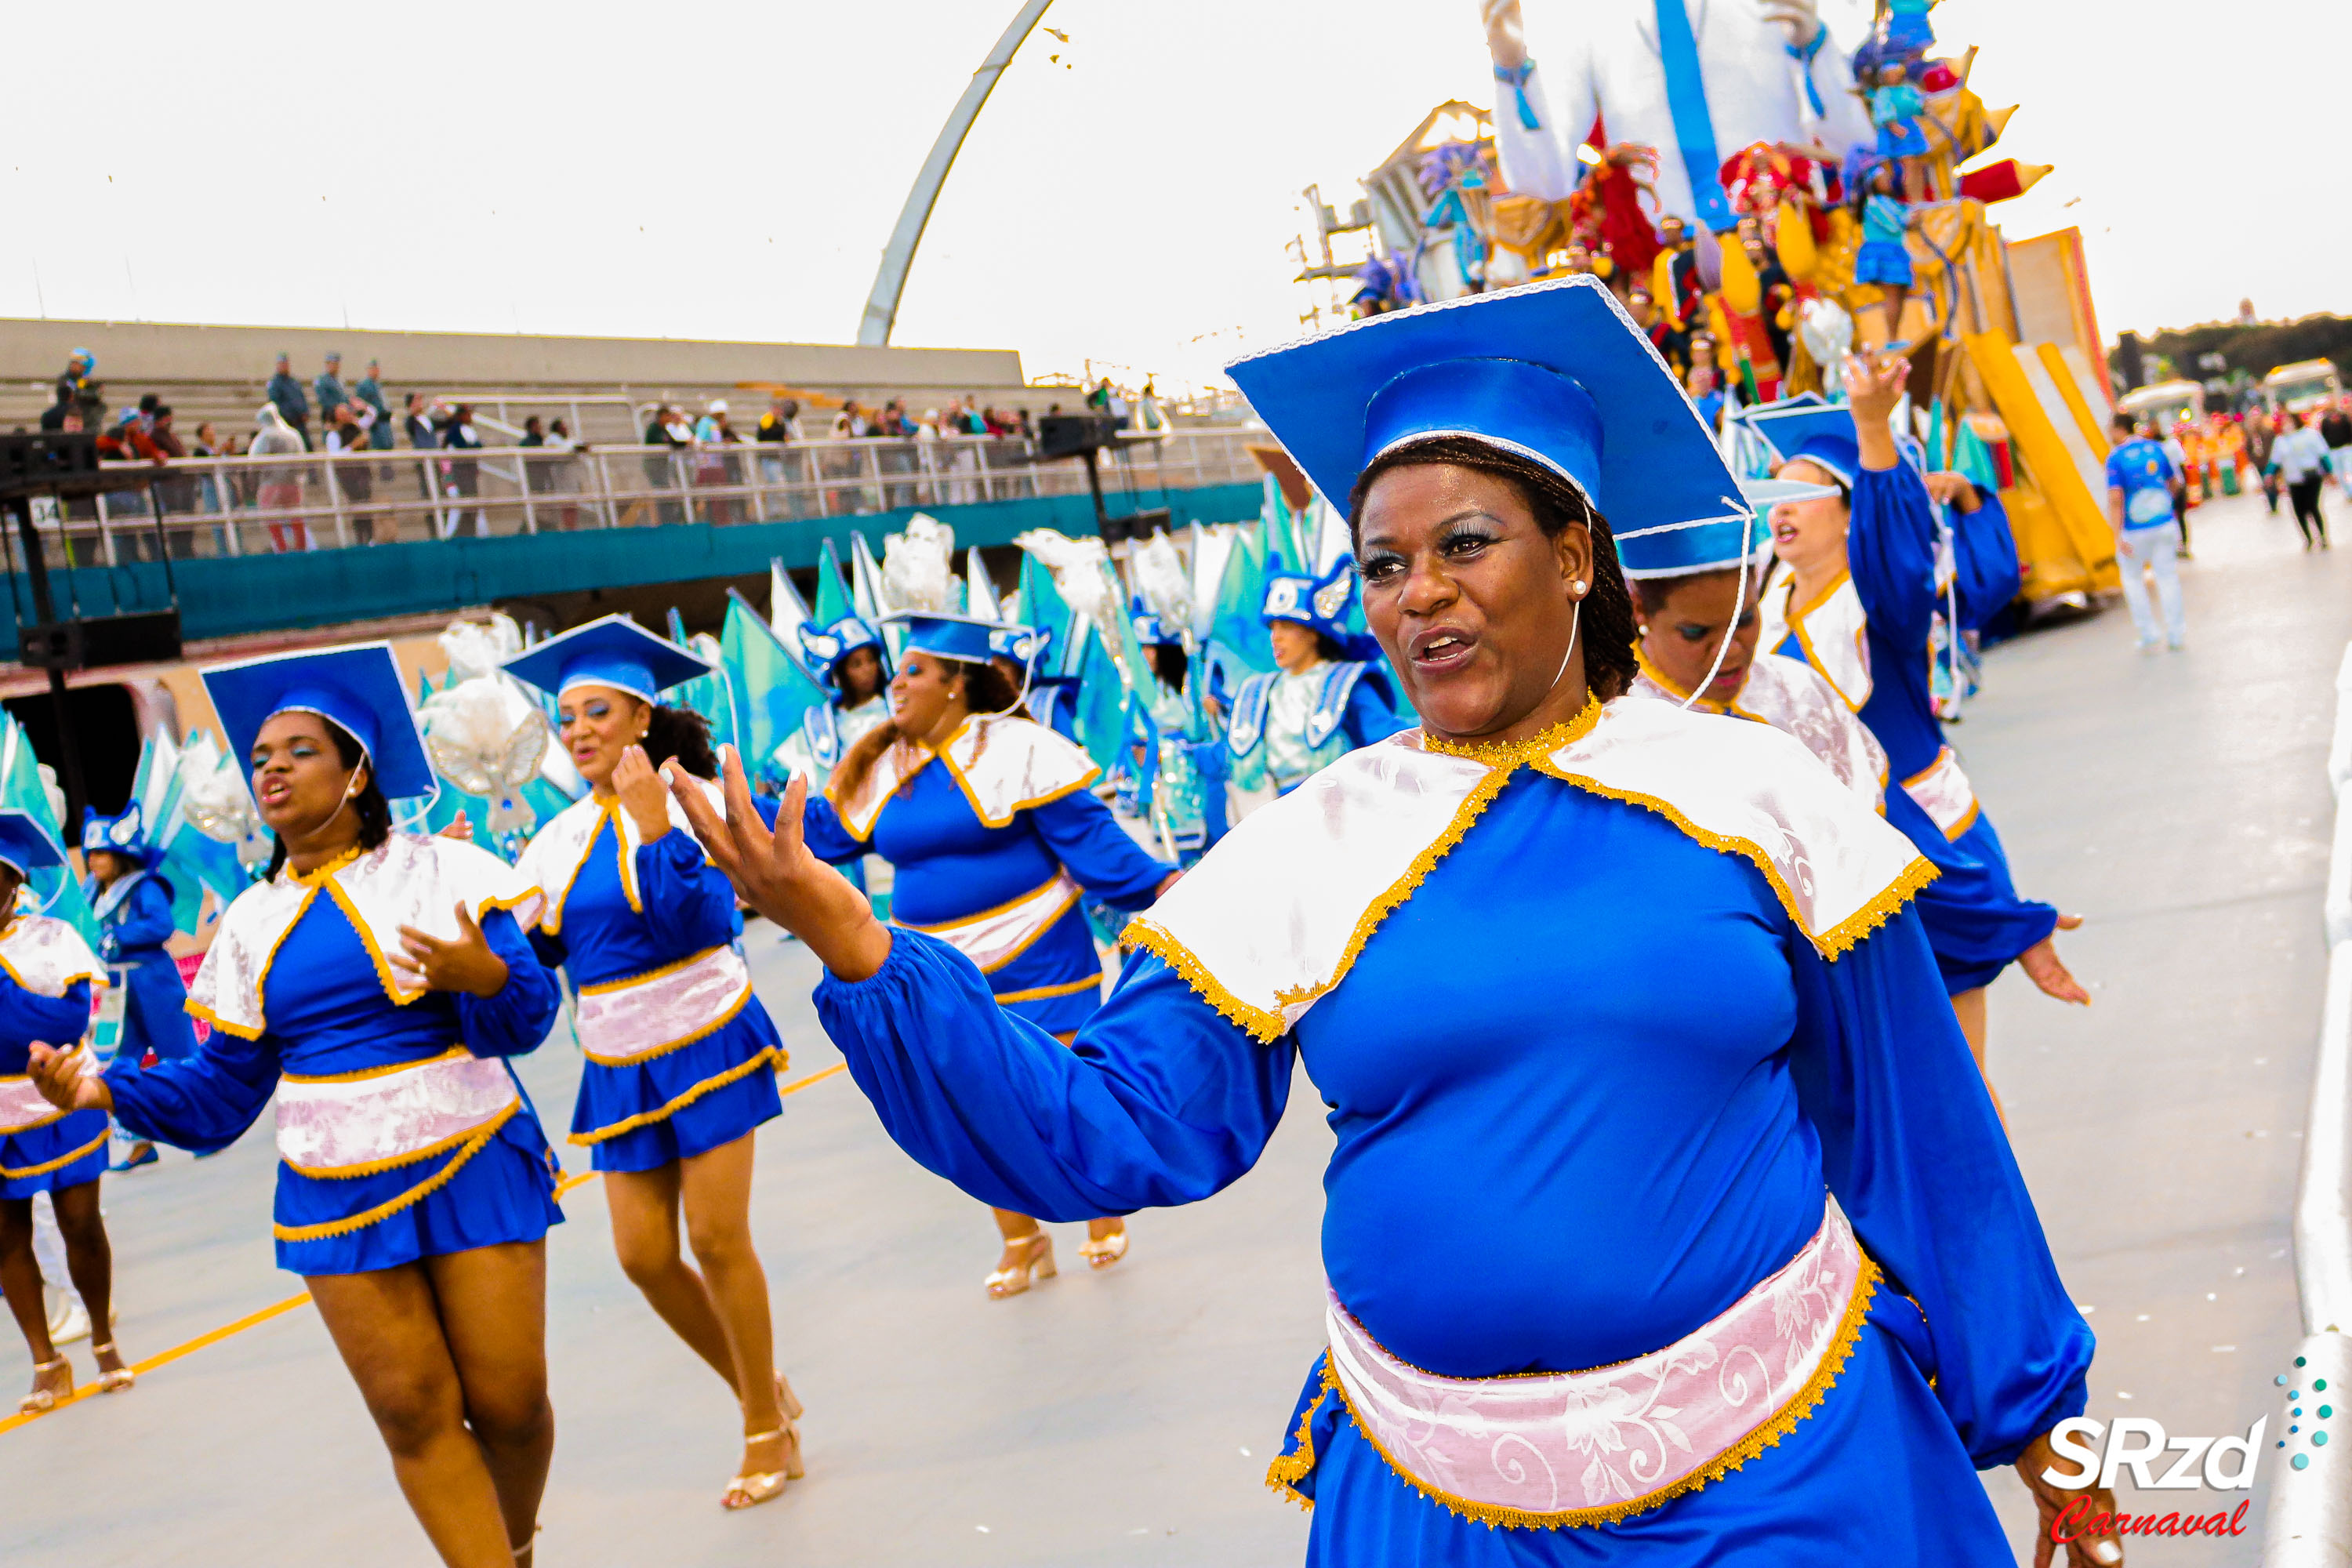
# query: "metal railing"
(320, 500)
(2310, 1520)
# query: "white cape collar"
(1272, 918)
(46, 956)
(1832, 630)
(1004, 766)
(550, 862)
(1795, 699)
(408, 879)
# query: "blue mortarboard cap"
(613, 651)
(1820, 433)
(1320, 602)
(1555, 372)
(1022, 645)
(125, 834)
(26, 844)
(962, 638)
(1682, 550)
(357, 687)
(822, 650)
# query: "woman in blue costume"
(1637, 1057)
(133, 906)
(1328, 694)
(374, 983)
(850, 656)
(1860, 591)
(45, 974)
(991, 849)
(1179, 804)
(681, 1055)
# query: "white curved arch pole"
(890, 281)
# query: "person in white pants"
(2142, 486)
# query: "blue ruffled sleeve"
(516, 1020)
(1096, 851)
(202, 1102)
(147, 917)
(689, 905)
(1985, 556)
(826, 838)
(1914, 1151)
(1160, 1102)
(59, 1021)
(1890, 550)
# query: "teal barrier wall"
(232, 596)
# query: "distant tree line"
(2252, 351)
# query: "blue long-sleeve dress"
(135, 923)
(328, 1015)
(1589, 1084)
(708, 1077)
(1042, 841)
(44, 996)
(1869, 635)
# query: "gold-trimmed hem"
(51, 1119)
(1047, 993)
(197, 1009)
(1260, 1025)
(97, 977)
(1506, 753)
(648, 1117)
(415, 1156)
(479, 1140)
(1766, 1433)
(1288, 1470)
(1831, 944)
(734, 1009)
(8, 1173)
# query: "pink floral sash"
(1590, 1448)
(372, 1121)
(22, 1108)
(624, 1021)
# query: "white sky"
(731, 170)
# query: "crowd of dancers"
(1653, 1041)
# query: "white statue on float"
(1698, 79)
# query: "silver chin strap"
(1575, 620)
(1730, 629)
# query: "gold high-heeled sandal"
(759, 1487)
(121, 1378)
(1101, 1252)
(43, 1400)
(1012, 1282)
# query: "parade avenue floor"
(2179, 801)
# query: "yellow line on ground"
(254, 1320)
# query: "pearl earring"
(1577, 588)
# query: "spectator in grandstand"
(208, 443)
(423, 433)
(286, 396)
(777, 426)
(461, 476)
(280, 484)
(329, 387)
(369, 390)
(712, 468)
(53, 417)
(663, 431)
(354, 480)
(562, 469)
(78, 366)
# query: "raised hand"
(777, 875)
(1506, 36)
(58, 1077)
(1801, 19)
(641, 793)
(465, 962)
(1874, 384)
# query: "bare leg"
(717, 1197)
(89, 1260)
(1968, 1006)
(387, 1326)
(645, 1205)
(20, 1280)
(494, 1314)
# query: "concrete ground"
(2177, 800)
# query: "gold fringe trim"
(1288, 1470)
(1812, 658)
(1260, 1025)
(1045, 993)
(97, 977)
(1781, 1423)
(430, 1184)
(60, 1162)
(734, 1008)
(415, 1156)
(1499, 753)
(1018, 807)
(197, 1009)
(260, 982)
(1831, 944)
(363, 1074)
(318, 874)
(648, 1117)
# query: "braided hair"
(1607, 632)
(683, 733)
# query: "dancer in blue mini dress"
(682, 1058)
(134, 905)
(373, 985)
(45, 974)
